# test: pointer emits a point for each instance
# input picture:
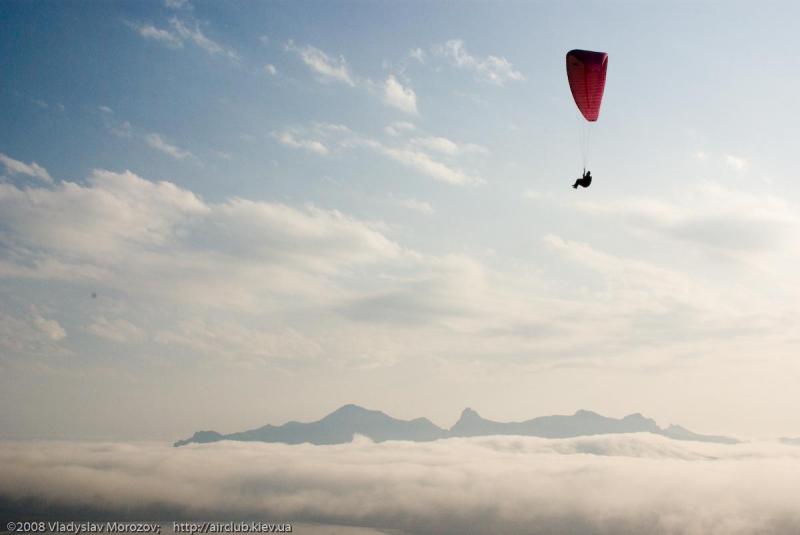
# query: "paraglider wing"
(586, 72)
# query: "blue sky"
(299, 205)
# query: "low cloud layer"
(608, 484)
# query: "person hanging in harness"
(585, 181)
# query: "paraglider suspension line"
(585, 140)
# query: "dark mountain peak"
(583, 413)
(469, 415)
(201, 437)
(354, 413)
(350, 410)
(473, 424)
(639, 418)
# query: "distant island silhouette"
(343, 424)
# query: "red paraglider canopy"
(586, 71)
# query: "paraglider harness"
(585, 181)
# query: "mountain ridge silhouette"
(344, 423)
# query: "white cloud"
(123, 130)
(428, 166)
(32, 169)
(155, 141)
(493, 69)
(28, 334)
(402, 98)
(162, 242)
(414, 205)
(195, 35)
(618, 484)
(148, 31)
(712, 216)
(183, 32)
(117, 330)
(249, 345)
(326, 67)
(105, 109)
(270, 69)
(737, 163)
(447, 146)
(178, 4)
(289, 139)
(398, 127)
(50, 328)
(418, 54)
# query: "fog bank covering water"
(631, 483)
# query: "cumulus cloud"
(155, 141)
(493, 69)
(402, 98)
(601, 485)
(157, 238)
(269, 68)
(33, 169)
(326, 67)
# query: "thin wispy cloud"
(289, 139)
(737, 163)
(178, 4)
(427, 165)
(157, 142)
(418, 54)
(149, 31)
(398, 127)
(33, 169)
(326, 68)
(494, 69)
(192, 33)
(183, 32)
(447, 146)
(421, 207)
(116, 329)
(49, 327)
